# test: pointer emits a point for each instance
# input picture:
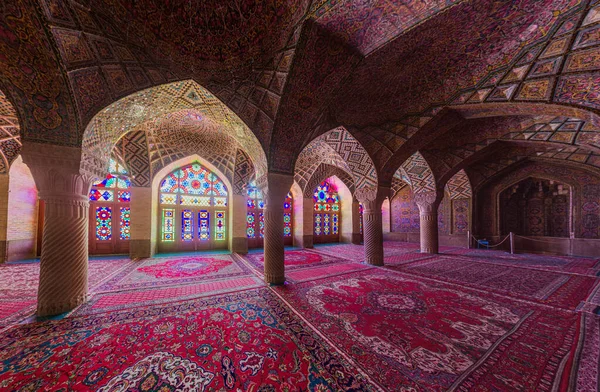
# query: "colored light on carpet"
(185, 268)
(295, 259)
(130, 298)
(159, 271)
(246, 341)
(323, 272)
(431, 337)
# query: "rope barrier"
(533, 239)
(490, 246)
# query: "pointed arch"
(416, 171)
(322, 173)
(459, 186)
(165, 111)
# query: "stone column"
(356, 237)
(239, 209)
(371, 199)
(275, 188)
(428, 206)
(143, 240)
(4, 186)
(65, 190)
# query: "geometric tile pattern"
(312, 156)
(459, 186)
(133, 150)
(10, 143)
(146, 108)
(420, 176)
(243, 173)
(397, 184)
(354, 154)
(324, 172)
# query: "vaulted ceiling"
(450, 79)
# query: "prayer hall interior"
(300, 195)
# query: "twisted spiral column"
(64, 263)
(373, 236)
(275, 188)
(428, 204)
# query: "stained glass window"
(168, 224)
(191, 190)
(255, 220)
(125, 223)
(326, 210)
(220, 225)
(107, 196)
(187, 225)
(103, 223)
(204, 225)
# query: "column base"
(274, 280)
(239, 245)
(356, 238)
(56, 308)
(140, 249)
(375, 261)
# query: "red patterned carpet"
(207, 323)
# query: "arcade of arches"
(281, 195)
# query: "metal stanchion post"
(512, 243)
(468, 239)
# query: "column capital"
(427, 202)
(372, 197)
(57, 171)
(275, 187)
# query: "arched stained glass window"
(255, 219)
(110, 213)
(326, 213)
(193, 202)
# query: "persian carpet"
(552, 288)
(433, 337)
(294, 259)
(585, 374)
(112, 301)
(160, 271)
(19, 285)
(351, 252)
(568, 264)
(246, 341)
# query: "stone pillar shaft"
(371, 199)
(143, 240)
(239, 209)
(275, 188)
(64, 187)
(428, 205)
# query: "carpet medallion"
(295, 259)
(432, 337)
(248, 341)
(160, 271)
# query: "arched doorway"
(193, 210)
(326, 214)
(536, 207)
(110, 213)
(255, 220)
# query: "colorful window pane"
(166, 198)
(103, 223)
(250, 225)
(317, 224)
(124, 196)
(168, 224)
(191, 200)
(204, 225)
(220, 225)
(261, 225)
(256, 205)
(327, 209)
(125, 223)
(187, 225)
